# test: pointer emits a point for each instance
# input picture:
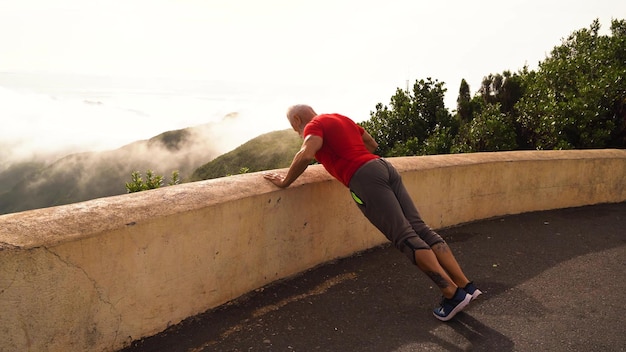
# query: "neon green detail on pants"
(356, 199)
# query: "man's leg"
(374, 194)
(448, 262)
(378, 202)
(426, 261)
(455, 299)
(443, 253)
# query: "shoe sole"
(459, 307)
(476, 294)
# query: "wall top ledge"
(450, 160)
(50, 226)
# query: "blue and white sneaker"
(448, 308)
(471, 289)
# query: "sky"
(337, 55)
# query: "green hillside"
(12, 175)
(274, 150)
(84, 176)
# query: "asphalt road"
(552, 281)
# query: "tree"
(490, 131)
(440, 140)
(504, 89)
(577, 97)
(413, 118)
(463, 102)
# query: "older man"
(346, 151)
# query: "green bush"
(152, 181)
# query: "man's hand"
(275, 179)
(300, 162)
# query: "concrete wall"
(94, 276)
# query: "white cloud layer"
(338, 55)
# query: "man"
(346, 151)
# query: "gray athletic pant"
(377, 189)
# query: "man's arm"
(300, 162)
(369, 141)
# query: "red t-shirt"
(343, 150)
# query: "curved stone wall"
(96, 275)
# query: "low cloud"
(43, 127)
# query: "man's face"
(296, 124)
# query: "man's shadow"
(480, 336)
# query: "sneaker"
(471, 289)
(450, 307)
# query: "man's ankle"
(450, 291)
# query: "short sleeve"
(314, 128)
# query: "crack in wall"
(101, 296)
(6, 245)
(11, 282)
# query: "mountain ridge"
(88, 175)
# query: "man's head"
(299, 115)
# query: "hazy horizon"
(81, 76)
(103, 113)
